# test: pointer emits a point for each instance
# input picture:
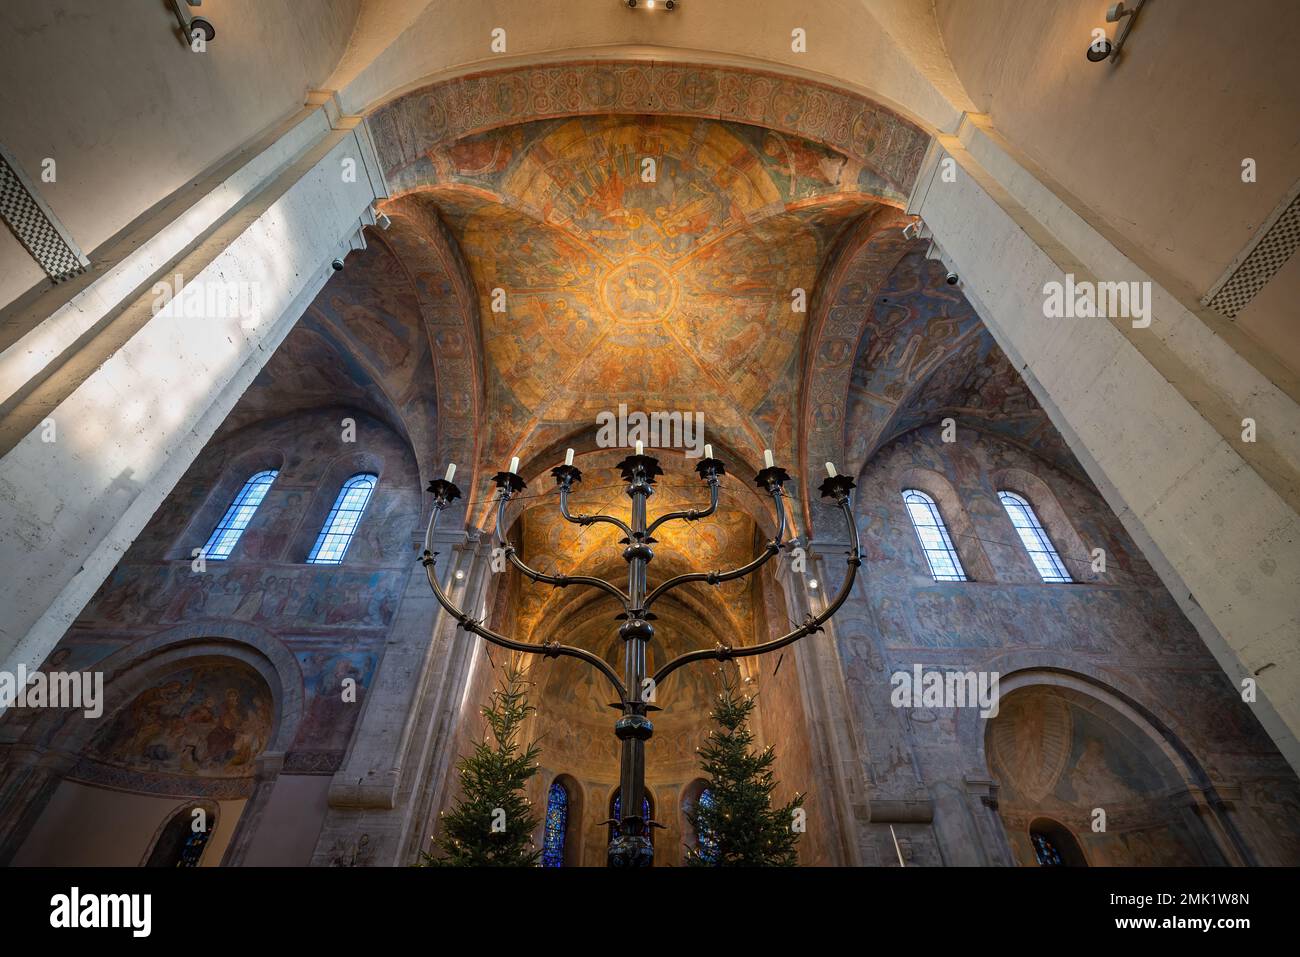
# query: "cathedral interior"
(261, 288)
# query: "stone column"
(109, 388)
(1154, 413)
(386, 792)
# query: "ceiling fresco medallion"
(638, 290)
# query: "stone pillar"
(1154, 413)
(388, 788)
(108, 389)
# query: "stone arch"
(1173, 777)
(55, 744)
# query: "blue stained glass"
(557, 820)
(343, 520)
(706, 841)
(225, 536)
(1045, 850)
(618, 815)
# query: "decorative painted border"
(406, 129)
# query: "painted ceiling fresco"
(667, 287)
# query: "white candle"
(514, 465)
(830, 469)
(640, 448)
(451, 472)
(568, 456)
(708, 451)
(767, 458)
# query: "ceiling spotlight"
(812, 583)
(460, 574)
(189, 25)
(1102, 48)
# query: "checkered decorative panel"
(29, 223)
(1268, 256)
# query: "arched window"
(343, 520)
(1054, 846)
(706, 840)
(557, 823)
(945, 566)
(183, 839)
(616, 813)
(225, 536)
(1040, 548)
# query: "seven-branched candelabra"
(630, 845)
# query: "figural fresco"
(208, 720)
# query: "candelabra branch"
(548, 650)
(812, 623)
(581, 519)
(690, 515)
(717, 578)
(559, 581)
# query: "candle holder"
(630, 845)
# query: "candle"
(640, 448)
(830, 469)
(708, 451)
(451, 472)
(767, 458)
(568, 456)
(514, 465)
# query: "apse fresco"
(208, 720)
(1057, 759)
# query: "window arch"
(226, 535)
(344, 517)
(184, 837)
(940, 555)
(616, 813)
(556, 825)
(1054, 845)
(1034, 537)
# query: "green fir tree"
(492, 823)
(739, 827)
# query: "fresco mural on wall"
(209, 719)
(1056, 759)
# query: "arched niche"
(953, 511)
(190, 713)
(1063, 750)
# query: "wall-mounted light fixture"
(669, 5)
(1102, 48)
(190, 24)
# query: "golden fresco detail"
(642, 259)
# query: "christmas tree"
(734, 820)
(492, 823)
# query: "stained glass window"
(180, 844)
(1045, 850)
(706, 841)
(617, 814)
(1034, 537)
(940, 554)
(343, 520)
(225, 536)
(557, 820)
